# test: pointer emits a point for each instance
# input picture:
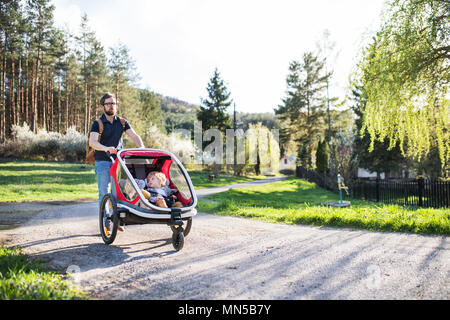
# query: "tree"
(40, 15)
(380, 158)
(43, 71)
(303, 113)
(122, 68)
(148, 113)
(322, 156)
(212, 112)
(10, 47)
(405, 72)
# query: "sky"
(177, 44)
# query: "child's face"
(153, 182)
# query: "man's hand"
(111, 150)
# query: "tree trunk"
(50, 101)
(43, 102)
(66, 114)
(59, 105)
(3, 100)
(26, 86)
(20, 94)
(34, 90)
(86, 107)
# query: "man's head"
(156, 179)
(109, 104)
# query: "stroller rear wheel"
(108, 218)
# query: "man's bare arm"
(135, 137)
(94, 143)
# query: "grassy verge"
(296, 201)
(27, 180)
(25, 279)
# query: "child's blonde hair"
(159, 175)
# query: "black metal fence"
(418, 192)
(321, 179)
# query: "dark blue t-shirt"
(111, 136)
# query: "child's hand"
(145, 193)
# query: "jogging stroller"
(126, 204)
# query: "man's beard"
(109, 113)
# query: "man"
(110, 141)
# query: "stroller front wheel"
(108, 218)
(187, 229)
(178, 239)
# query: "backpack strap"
(122, 121)
(100, 128)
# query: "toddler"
(154, 188)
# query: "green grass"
(27, 180)
(25, 279)
(36, 180)
(200, 179)
(296, 201)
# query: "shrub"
(49, 145)
(176, 143)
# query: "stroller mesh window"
(125, 185)
(178, 179)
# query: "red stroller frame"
(126, 205)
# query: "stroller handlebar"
(110, 156)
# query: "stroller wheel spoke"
(108, 218)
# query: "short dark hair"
(106, 96)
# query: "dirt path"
(234, 258)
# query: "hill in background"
(179, 114)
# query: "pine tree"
(212, 112)
(322, 156)
(122, 69)
(303, 112)
(40, 15)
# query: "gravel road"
(234, 258)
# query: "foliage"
(177, 114)
(262, 150)
(267, 119)
(302, 114)
(212, 112)
(405, 73)
(24, 279)
(52, 79)
(322, 156)
(49, 145)
(380, 158)
(176, 143)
